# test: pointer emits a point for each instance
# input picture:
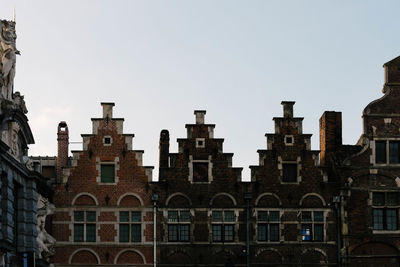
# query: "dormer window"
(387, 151)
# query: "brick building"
(293, 219)
(201, 208)
(369, 176)
(104, 213)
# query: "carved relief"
(45, 241)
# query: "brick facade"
(87, 197)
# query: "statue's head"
(8, 34)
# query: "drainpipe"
(336, 200)
(154, 198)
(247, 197)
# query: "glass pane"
(107, 173)
(394, 152)
(274, 216)
(172, 216)
(124, 216)
(217, 232)
(184, 232)
(136, 216)
(78, 232)
(392, 198)
(274, 232)
(136, 233)
(262, 232)
(90, 216)
(228, 232)
(90, 233)
(318, 232)
(378, 219)
(229, 216)
(318, 216)
(78, 216)
(378, 198)
(391, 219)
(306, 232)
(124, 233)
(306, 216)
(289, 172)
(184, 216)
(217, 216)
(262, 216)
(380, 150)
(172, 232)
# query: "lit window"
(223, 222)
(312, 226)
(107, 173)
(84, 226)
(268, 225)
(178, 225)
(130, 226)
(289, 172)
(385, 210)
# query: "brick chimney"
(164, 148)
(330, 134)
(62, 155)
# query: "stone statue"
(19, 102)
(45, 241)
(8, 52)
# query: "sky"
(161, 60)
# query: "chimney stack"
(107, 110)
(287, 108)
(199, 116)
(62, 144)
(164, 152)
(330, 134)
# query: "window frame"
(85, 223)
(388, 152)
(224, 224)
(312, 224)
(385, 205)
(180, 225)
(131, 225)
(268, 224)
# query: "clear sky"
(160, 60)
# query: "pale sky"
(160, 60)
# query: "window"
(268, 225)
(223, 225)
(107, 140)
(84, 226)
(107, 173)
(178, 225)
(200, 171)
(382, 147)
(385, 210)
(289, 172)
(288, 140)
(200, 142)
(130, 226)
(312, 226)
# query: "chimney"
(62, 155)
(164, 152)
(107, 109)
(330, 134)
(199, 116)
(287, 108)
